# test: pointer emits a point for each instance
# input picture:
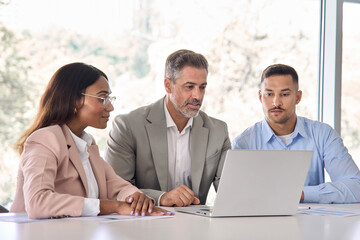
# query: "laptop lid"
(261, 182)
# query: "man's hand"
(179, 197)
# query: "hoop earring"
(75, 110)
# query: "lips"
(276, 112)
(196, 106)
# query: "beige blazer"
(51, 178)
(137, 150)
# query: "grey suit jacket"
(137, 150)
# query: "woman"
(61, 172)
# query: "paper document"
(117, 218)
(329, 211)
(17, 218)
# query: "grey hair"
(176, 61)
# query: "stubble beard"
(189, 113)
(281, 120)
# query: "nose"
(277, 101)
(197, 93)
(109, 107)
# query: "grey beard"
(185, 114)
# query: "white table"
(186, 226)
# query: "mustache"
(277, 108)
(193, 101)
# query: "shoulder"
(248, 135)
(51, 137)
(248, 132)
(316, 127)
(211, 122)
(322, 134)
(50, 132)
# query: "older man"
(171, 149)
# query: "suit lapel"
(198, 146)
(157, 134)
(98, 170)
(75, 157)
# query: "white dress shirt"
(92, 203)
(179, 160)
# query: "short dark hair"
(176, 61)
(280, 69)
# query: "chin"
(102, 126)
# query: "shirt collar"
(81, 142)
(300, 127)
(268, 133)
(170, 122)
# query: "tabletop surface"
(187, 226)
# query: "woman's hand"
(141, 204)
(160, 212)
(125, 208)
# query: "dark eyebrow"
(286, 89)
(282, 90)
(103, 92)
(192, 83)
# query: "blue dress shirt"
(329, 152)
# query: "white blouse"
(92, 202)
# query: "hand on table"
(179, 197)
(137, 204)
(126, 209)
(140, 204)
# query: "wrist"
(108, 206)
(160, 199)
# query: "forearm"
(154, 194)
(109, 206)
(346, 191)
(50, 204)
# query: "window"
(350, 99)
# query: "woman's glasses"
(105, 100)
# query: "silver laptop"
(258, 183)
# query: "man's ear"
(298, 96)
(167, 85)
(260, 96)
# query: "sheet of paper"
(329, 211)
(17, 218)
(117, 218)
